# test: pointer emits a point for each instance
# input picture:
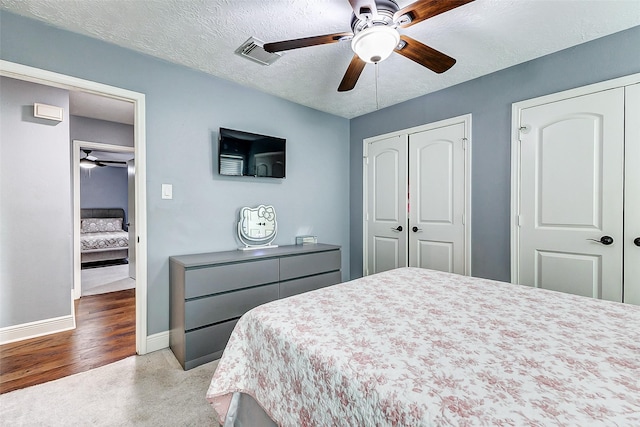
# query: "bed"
(103, 235)
(416, 347)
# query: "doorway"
(104, 202)
(35, 75)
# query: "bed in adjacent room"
(103, 235)
(415, 347)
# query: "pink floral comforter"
(414, 347)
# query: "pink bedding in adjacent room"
(415, 347)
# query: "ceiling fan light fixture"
(87, 164)
(375, 44)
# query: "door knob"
(416, 229)
(605, 240)
(636, 241)
(398, 228)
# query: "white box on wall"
(49, 112)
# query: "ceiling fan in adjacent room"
(374, 36)
(90, 161)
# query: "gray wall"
(489, 99)
(93, 130)
(184, 110)
(103, 187)
(35, 209)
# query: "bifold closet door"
(437, 199)
(386, 205)
(572, 195)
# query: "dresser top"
(200, 260)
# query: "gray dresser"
(209, 292)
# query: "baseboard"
(38, 328)
(157, 341)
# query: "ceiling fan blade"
(353, 73)
(425, 9)
(305, 42)
(425, 55)
(112, 161)
(364, 9)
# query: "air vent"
(252, 49)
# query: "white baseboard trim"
(40, 328)
(37, 329)
(157, 341)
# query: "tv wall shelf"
(209, 292)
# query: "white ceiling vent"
(252, 49)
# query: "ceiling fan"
(374, 36)
(90, 161)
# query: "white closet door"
(571, 195)
(632, 196)
(437, 199)
(386, 206)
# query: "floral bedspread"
(104, 240)
(415, 347)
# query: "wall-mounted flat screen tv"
(248, 154)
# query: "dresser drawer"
(209, 341)
(228, 277)
(204, 311)
(311, 283)
(306, 265)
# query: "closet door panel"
(632, 196)
(571, 195)
(434, 187)
(434, 255)
(386, 204)
(436, 199)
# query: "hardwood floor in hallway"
(105, 332)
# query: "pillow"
(95, 225)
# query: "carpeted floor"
(149, 390)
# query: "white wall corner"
(37, 329)
(157, 341)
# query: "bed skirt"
(104, 255)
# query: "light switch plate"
(167, 191)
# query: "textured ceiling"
(484, 36)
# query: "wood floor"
(105, 332)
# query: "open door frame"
(77, 146)
(48, 78)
